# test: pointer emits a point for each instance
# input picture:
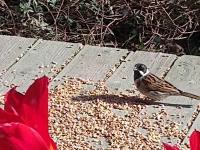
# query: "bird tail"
(190, 95)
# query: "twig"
(14, 26)
(55, 21)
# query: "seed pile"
(98, 119)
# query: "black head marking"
(139, 70)
(141, 67)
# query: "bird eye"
(140, 67)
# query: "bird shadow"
(130, 100)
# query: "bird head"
(140, 70)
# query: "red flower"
(24, 120)
(194, 142)
(170, 147)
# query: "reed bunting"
(154, 87)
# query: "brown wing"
(154, 83)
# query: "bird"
(154, 87)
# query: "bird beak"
(134, 69)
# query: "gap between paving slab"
(93, 63)
(194, 126)
(44, 58)
(12, 49)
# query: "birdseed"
(98, 119)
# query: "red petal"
(17, 136)
(52, 145)
(32, 107)
(14, 101)
(6, 117)
(195, 140)
(169, 147)
(37, 98)
(37, 106)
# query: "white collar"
(144, 74)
